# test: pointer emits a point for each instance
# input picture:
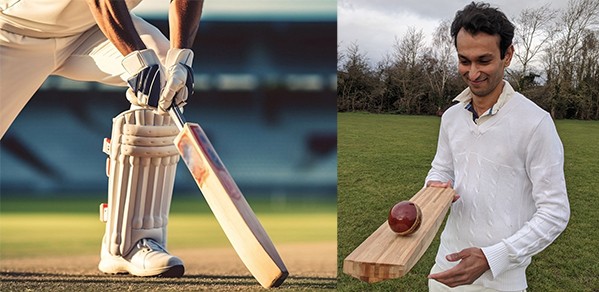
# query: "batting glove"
(146, 78)
(179, 79)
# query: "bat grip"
(177, 116)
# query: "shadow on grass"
(21, 281)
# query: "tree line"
(555, 64)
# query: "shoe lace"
(151, 245)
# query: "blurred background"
(265, 84)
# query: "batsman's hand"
(146, 79)
(179, 79)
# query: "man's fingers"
(446, 276)
(454, 257)
(452, 277)
(438, 184)
(440, 275)
(470, 267)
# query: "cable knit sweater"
(509, 174)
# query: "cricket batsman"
(102, 41)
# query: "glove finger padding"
(178, 87)
(179, 84)
(132, 98)
(146, 77)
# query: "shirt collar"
(506, 94)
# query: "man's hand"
(439, 184)
(179, 76)
(146, 77)
(473, 264)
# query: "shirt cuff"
(497, 257)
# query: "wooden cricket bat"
(234, 214)
(386, 255)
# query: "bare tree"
(406, 71)
(561, 47)
(563, 55)
(354, 80)
(406, 49)
(440, 65)
(580, 16)
(388, 97)
(586, 99)
(340, 56)
(533, 32)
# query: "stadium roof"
(259, 10)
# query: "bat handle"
(177, 116)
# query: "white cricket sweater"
(509, 174)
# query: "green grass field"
(385, 158)
(59, 225)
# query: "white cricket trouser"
(434, 286)
(26, 62)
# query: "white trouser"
(434, 286)
(26, 62)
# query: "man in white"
(101, 40)
(503, 156)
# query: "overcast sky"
(374, 24)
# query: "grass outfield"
(385, 158)
(66, 225)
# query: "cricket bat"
(233, 213)
(386, 255)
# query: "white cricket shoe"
(148, 258)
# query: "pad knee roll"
(141, 166)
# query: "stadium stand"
(267, 101)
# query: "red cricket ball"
(405, 218)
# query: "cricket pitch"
(312, 267)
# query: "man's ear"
(507, 59)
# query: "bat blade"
(385, 255)
(233, 213)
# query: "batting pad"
(141, 167)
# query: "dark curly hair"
(481, 17)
